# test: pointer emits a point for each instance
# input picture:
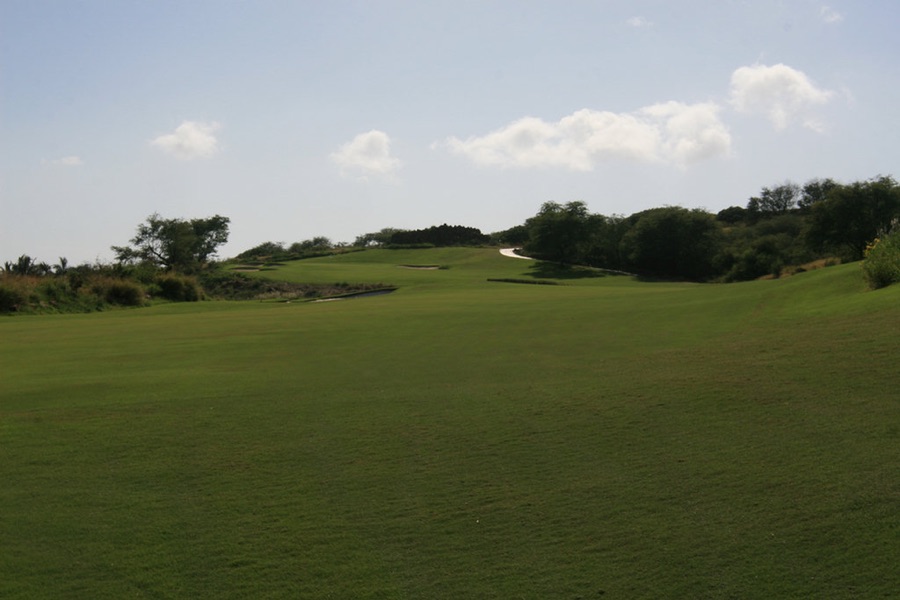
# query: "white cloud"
(692, 132)
(638, 22)
(670, 132)
(367, 154)
(191, 139)
(67, 161)
(781, 93)
(829, 15)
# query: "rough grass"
(459, 439)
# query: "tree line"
(786, 225)
(389, 237)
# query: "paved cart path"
(511, 252)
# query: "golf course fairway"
(467, 436)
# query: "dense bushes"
(881, 265)
(121, 292)
(78, 290)
(441, 235)
(178, 288)
(785, 227)
(275, 252)
(12, 296)
(90, 287)
(852, 215)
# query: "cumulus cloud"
(367, 154)
(829, 15)
(638, 22)
(670, 132)
(190, 140)
(783, 94)
(67, 161)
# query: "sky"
(336, 118)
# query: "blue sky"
(299, 119)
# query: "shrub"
(118, 291)
(881, 265)
(55, 290)
(178, 288)
(11, 297)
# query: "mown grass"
(459, 439)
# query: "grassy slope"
(459, 439)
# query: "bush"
(55, 290)
(178, 288)
(881, 265)
(118, 291)
(11, 297)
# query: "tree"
(732, 214)
(514, 236)
(559, 232)
(175, 244)
(776, 200)
(317, 243)
(25, 265)
(815, 191)
(62, 266)
(264, 250)
(673, 242)
(852, 215)
(441, 235)
(604, 241)
(378, 238)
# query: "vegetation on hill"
(272, 252)
(441, 235)
(787, 225)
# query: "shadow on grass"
(551, 270)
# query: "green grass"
(459, 438)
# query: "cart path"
(511, 252)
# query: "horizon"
(298, 120)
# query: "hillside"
(459, 438)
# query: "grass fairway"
(459, 438)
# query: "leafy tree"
(441, 235)
(673, 242)
(732, 215)
(776, 200)
(514, 236)
(264, 250)
(25, 265)
(378, 238)
(814, 191)
(852, 215)
(604, 241)
(62, 266)
(559, 232)
(316, 243)
(175, 243)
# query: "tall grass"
(459, 439)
